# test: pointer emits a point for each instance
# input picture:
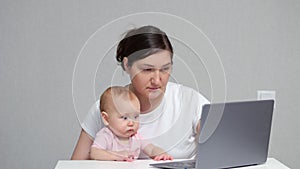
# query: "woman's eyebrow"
(147, 65)
(168, 64)
(165, 65)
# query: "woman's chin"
(155, 94)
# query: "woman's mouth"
(153, 88)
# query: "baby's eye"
(124, 117)
(136, 117)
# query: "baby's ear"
(104, 116)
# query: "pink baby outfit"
(106, 140)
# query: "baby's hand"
(130, 158)
(125, 156)
(163, 156)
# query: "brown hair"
(141, 42)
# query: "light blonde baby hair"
(113, 92)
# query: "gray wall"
(257, 41)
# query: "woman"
(170, 112)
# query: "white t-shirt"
(171, 125)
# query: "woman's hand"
(163, 156)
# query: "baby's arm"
(101, 154)
(156, 153)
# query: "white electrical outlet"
(266, 95)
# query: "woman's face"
(149, 76)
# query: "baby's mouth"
(131, 131)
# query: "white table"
(142, 164)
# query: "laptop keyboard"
(176, 164)
(187, 164)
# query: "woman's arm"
(198, 128)
(83, 147)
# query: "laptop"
(233, 134)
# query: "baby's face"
(124, 120)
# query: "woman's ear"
(104, 116)
(125, 63)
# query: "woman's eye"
(147, 70)
(165, 69)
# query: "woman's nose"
(155, 77)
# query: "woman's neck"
(147, 105)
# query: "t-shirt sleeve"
(92, 122)
(202, 101)
(101, 141)
(143, 143)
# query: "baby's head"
(120, 110)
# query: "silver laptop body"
(232, 134)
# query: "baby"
(119, 140)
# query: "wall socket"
(266, 95)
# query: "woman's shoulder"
(173, 87)
(176, 90)
(95, 106)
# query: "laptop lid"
(232, 135)
(240, 137)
